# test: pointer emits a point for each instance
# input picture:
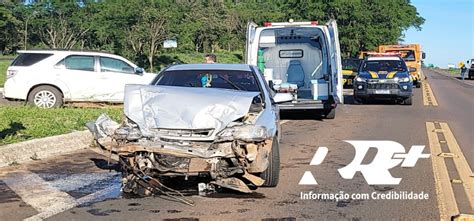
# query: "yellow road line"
(428, 96)
(460, 162)
(446, 201)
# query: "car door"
(250, 40)
(115, 74)
(79, 74)
(335, 59)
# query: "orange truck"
(412, 55)
(364, 54)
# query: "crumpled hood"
(169, 107)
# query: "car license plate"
(382, 91)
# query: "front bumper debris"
(234, 164)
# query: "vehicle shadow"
(13, 129)
(465, 78)
(103, 164)
(301, 115)
(349, 99)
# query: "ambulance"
(302, 59)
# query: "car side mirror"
(282, 97)
(139, 70)
(412, 69)
(423, 55)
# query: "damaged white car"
(218, 121)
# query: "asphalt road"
(52, 188)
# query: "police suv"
(383, 76)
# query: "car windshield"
(384, 65)
(226, 79)
(407, 55)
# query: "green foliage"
(3, 70)
(22, 123)
(137, 28)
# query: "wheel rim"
(45, 99)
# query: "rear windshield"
(226, 79)
(27, 59)
(387, 65)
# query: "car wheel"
(407, 101)
(272, 174)
(358, 100)
(418, 84)
(331, 114)
(45, 97)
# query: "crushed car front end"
(219, 134)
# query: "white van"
(300, 58)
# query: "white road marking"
(107, 193)
(48, 200)
(36, 192)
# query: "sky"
(447, 36)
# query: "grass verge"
(23, 123)
(3, 70)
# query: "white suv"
(48, 78)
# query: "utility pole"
(26, 28)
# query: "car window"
(27, 59)
(381, 65)
(115, 65)
(226, 79)
(77, 62)
(407, 55)
(350, 64)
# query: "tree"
(134, 31)
(9, 29)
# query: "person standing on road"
(210, 59)
(463, 71)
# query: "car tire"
(418, 84)
(331, 114)
(271, 175)
(358, 100)
(45, 97)
(407, 101)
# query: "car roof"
(384, 58)
(235, 67)
(65, 51)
